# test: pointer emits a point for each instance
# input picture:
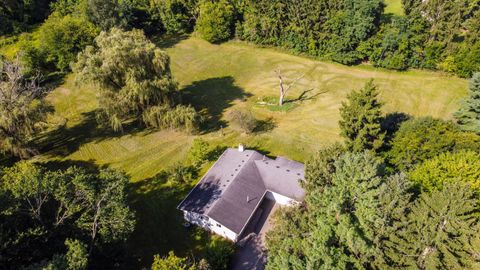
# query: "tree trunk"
(282, 90)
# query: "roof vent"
(241, 148)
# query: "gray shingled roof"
(232, 189)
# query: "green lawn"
(394, 7)
(218, 78)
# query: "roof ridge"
(234, 177)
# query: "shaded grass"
(217, 79)
(161, 223)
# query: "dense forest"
(400, 192)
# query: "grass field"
(219, 78)
(394, 7)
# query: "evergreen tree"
(439, 233)
(342, 216)
(319, 168)
(361, 119)
(286, 242)
(468, 117)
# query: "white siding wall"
(222, 230)
(209, 224)
(280, 199)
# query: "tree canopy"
(423, 138)
(134, 80)
(46, 208)
(361, 119)
(439, 232)
(215, 21)
(22, 109)
(462, 167)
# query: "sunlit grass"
(394, 7)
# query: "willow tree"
(22, 108)
(132, 74)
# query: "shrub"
(170, 262)
(198, 152)
(218, 253)
(243, 121)
(215, 22)
(180, 173)
(463, 166)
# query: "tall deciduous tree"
(22, 109)
(63, 37)
(439, 233)
(215, 22)
(361, 119)
(177, 16)
(468, 117)
(132, 74)
(107, 13)
(44, 208)
(106, 215)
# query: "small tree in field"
(215, 22)
(22, 108)
(284, 88)
(243, 121)
(361, 119)
(468, 117)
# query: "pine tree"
(361, 119)
(468, 117)
(439, 233)
(343, 215)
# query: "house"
(227, 197)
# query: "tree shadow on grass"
(66, 140)
(264, 126)
(213, 96)
(304, 96)
(168, 40)
(89, 165)
(159, 228)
